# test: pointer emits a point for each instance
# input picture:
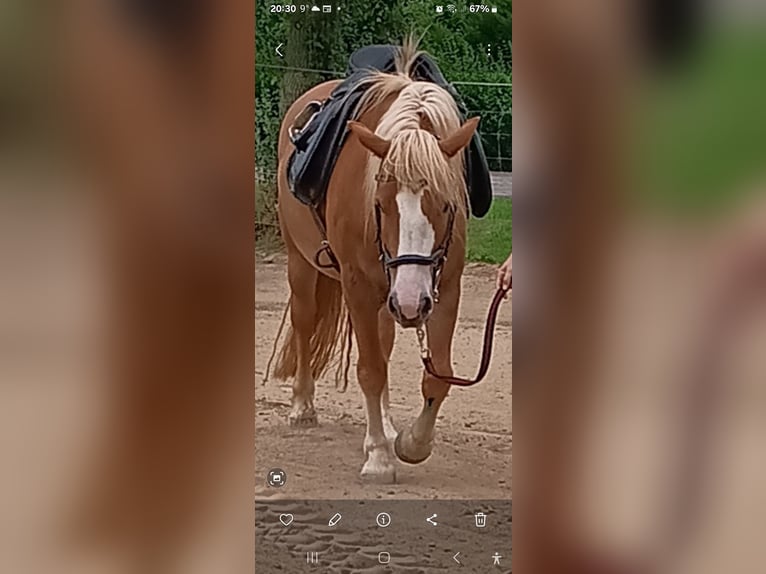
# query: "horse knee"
(371, 375)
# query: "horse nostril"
(393, 305)
(426, 304)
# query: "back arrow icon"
(456, 560)
(281, 55)
(431, 520)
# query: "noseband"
(435, 261)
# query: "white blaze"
(416, 237)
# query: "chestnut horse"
(395, 204)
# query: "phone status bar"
(330, 8)
(304, 8)
(472, 8)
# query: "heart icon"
(286, 519)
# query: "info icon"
(276, 477)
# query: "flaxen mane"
(414, 155)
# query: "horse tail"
(330, 342)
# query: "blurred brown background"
(126, 287)
(640, 270)
(126, 233)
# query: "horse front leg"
(372, 373)
(414, 445)
(387, 333)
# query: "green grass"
(704, 132)
(489, 238)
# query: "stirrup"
(303, 120)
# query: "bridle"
(435, 261)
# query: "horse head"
(417, 194)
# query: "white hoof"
(411, 451)
(380, 466)
(378, 474)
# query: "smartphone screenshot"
(383, 383)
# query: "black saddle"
(322, 130)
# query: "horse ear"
(461, 138)
(372, 142)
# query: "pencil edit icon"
(335, 519)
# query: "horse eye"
(383, 177)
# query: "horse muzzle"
(410, 312)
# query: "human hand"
(505, 273)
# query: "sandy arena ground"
(472, 452)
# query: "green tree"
(306, 47)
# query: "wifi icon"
(451, 8)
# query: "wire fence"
(494, 129)
(495, 132)
(341, 74)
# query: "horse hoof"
(307, 419)
(386, 475)
(415, 458)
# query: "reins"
(486, 352)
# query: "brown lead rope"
(486, 353)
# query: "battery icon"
(494, 9)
